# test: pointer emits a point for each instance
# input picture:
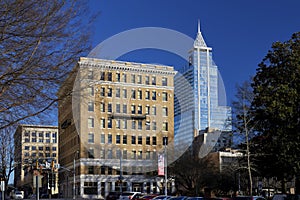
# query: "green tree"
(276, 108)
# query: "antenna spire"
(199, 26)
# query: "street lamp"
(74, 174)
(165, 143)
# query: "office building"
(36, 149)
(112, 126)
(198, 95)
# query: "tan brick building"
(35, 143)
(115, 119)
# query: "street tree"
(40, 41)
(243, 123)
(276, 108)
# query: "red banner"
(161, 165)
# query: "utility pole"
(165, 143)
(74, 174)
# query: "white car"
(18, 195)
(129, 195)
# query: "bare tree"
(242, 121)
(40, 41)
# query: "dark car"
(286, 197)
(248, 198)
(113, 195)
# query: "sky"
(240, 32)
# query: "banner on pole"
(161, 165)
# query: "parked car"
(113, 195)
(248, 198)
(161, 197)
(147, 197)
(286, 197)
(179, 198)
(129, 195)
(195, 198)
(18, 195)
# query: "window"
(41, 134)
(91, 138)
(53, 154)
(109, 107)
(147, 125)
(41, 140)
(41, 154)
(132, 109)
(54, 135)
(133, 94)
(147, 95)
(147, 80)
(33, 139)
(153, 140)
(33, 134)
(154, 126)
(124, 121)
(102, 91)
(102, 107)
(91, 106)
(124, 93)
(147, 110)
(41, 148)
(124, 139)
(34, 155)
(103, 169)
(118, 92)
(165, 96)
(124, 78)
(47, 140)
(133, 124)
(139, 95)
(153, 95)
(33, 148)
(165, 111)
(102, 154)
(118, 108)
(91, 122)
(109, 154)
(109, 92)
(165, 126)
(109, 123)
(118, 139)
(102, 123)
(125, 154)
(147, 140)
(109, 139)
(118, 153)
(153, 110)
(132, 78)
(139, 79)
(47, 134)
(140, 109)
(154, 155)
(26, 134)
(140, 124)
(90, 74)
(102, 76)
(124, 108)
(133, 154)
(118, 124)
(164, 81)
(109, 76)
(102, 139)
(153, 80)
(118, 77)
(148, 155)
(26, 148)
(91, 153)
(53, 148)
(133, 141)
(140, 155)
(140, 140)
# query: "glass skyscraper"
(199, 92)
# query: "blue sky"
(239, 31)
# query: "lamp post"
(74, 174)
(165, 143)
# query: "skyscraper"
(198, 93)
